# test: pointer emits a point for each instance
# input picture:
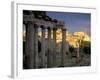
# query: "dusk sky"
(73, 21)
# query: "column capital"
(42, 26)
(54, 28)
(49, 28)
(64, 29)
(36, 26)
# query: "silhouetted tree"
(86, 47)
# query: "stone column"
(49, 54)
(78, 53)
(78, 56)
(67, 45)
(43, 48)
(29, 46)
(36, 60)
(54, 47)
(63, 54)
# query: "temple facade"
(33, 20)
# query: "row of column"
(32, 58)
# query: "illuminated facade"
(71, 39)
